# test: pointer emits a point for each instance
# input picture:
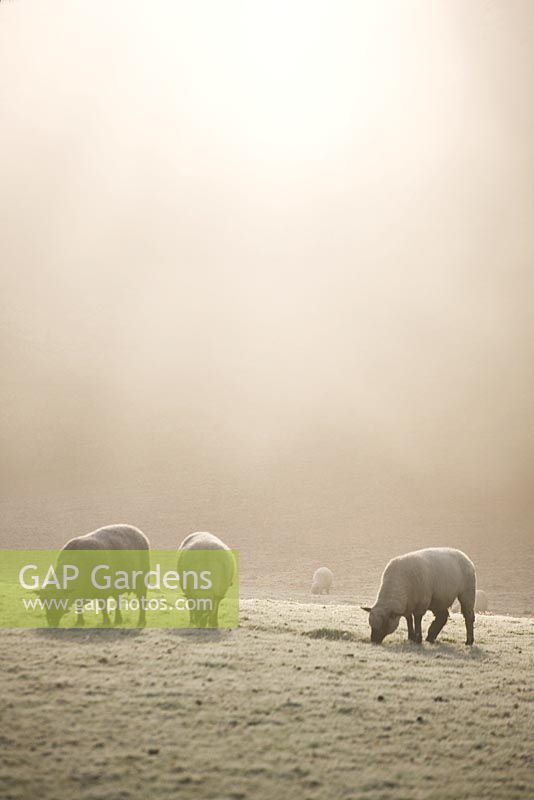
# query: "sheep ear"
(366, 608)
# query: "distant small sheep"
(424, 580)
(322, 581)
(481, 602)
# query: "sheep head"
(382, 622)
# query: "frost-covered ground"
(296, 703)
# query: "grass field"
(295, 703)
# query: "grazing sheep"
(322, 581)
(222, 570)
(481, 602)
(424, 580)
(132, 548)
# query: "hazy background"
(267, 269)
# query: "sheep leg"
(118, 615)
(197, 618)
(438, 622)
(469, 627)
(411, 634)
(213, 615)
(469, 616)
(418, 633)
(141, 622)
(467, 604)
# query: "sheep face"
(382, 623)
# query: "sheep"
(222, 573)
(132, 548)
(322, 581)
(481, 602)
(424, 580)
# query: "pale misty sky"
(267, 237)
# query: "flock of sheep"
(425, 580)
(132, 548)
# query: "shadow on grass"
(333, 635)
(438, 650)
(86, 635)
(105, 634)
(202, 635)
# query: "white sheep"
(481, 602)
(322, 581)
(417, 582)
(132, 553)
(222, 574)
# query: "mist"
(275, 259)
